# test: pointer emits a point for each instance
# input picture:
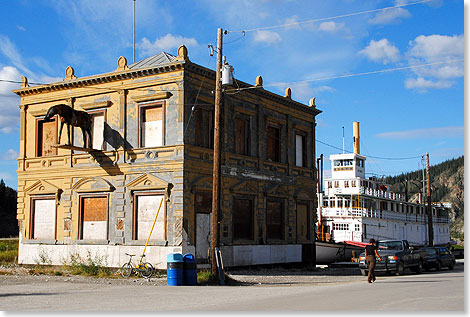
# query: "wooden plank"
(74, 148)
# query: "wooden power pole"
(217, 162)
(429, 207)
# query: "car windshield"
(390, 245)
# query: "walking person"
(371, 254)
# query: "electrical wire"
(330, 18)
(349, 75)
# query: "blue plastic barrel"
(190, 269)
(174, 269)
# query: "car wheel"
(451, 266)
(439, 266)
(419, 268)
(401, 268)
(363, 272)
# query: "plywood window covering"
(98, 119)
(300, 150)
(47, 137)
(273, 143)
(242, 136)
(43, 224)
(94, 218)
(152, 127)
(274, 220)
(204, 128)
(303, 227)
(203, 203)
(243, 226)
(145, 210)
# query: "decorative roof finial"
(122, 64)
(69, 73)
(24, 82)
(259, 81)
(288, 93)
(312, 103)
(182, 53)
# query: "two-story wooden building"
(152, 137)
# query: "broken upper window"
(204, 128)
(98, 120)
(47, 137)
(300, 150)
(152, 125)
(273, 143)
(242, 136)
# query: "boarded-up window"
(43, 219)
(204, 128)
(300, 151)
(242, 219)
(97, 130)
(242, 136)
(273, 144)
(94, 218)
(151, 126)
(146, 207)
(47, 137)
(274, 220)
(303, 231)
(203, 202)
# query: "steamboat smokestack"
(356, 138)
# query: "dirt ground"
(247, 276)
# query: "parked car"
(397, 255)
(437, 258)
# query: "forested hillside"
(8, 222)
(447, 185)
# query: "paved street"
(433, 291)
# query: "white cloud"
(431, 133)
(6, 176)
(21, 28)
(320, 89)
(331, 26)
(165, 43)
(390, 16)
(436, 49)
(8, 49)
(423, 84)
(381, 51)
(10, 155)
(9, 112)
(267, 37)
(293, 21)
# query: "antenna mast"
(343, 140)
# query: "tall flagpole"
(134, 33)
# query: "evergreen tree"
(8, 222)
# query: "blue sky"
(403, 113)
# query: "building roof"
(155, 60)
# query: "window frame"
(81, 216)
(93, 113)
(200, 127)
(134, 212)
(282, 217)
(304, 148)
(277, 143)
(39, 136)
(246, 120)
(33, 212)
(237, 239)
(141, 108)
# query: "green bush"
(8, 251)
(90, 266)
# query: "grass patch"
(205, 277)
(89, 266)
(8, 251)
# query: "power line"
(331, 18)
(348, 75)
(376, 157)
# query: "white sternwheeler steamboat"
(353, 209)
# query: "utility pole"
(217, 162)
(429, 208)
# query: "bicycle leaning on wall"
(145, 269)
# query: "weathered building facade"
(152, 137)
